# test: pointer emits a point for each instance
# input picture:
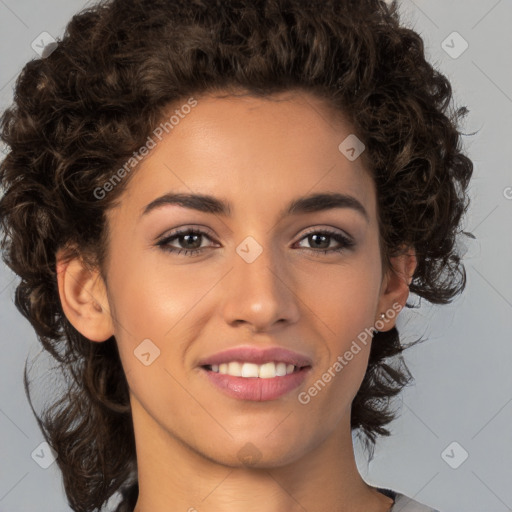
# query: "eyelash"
(163, 244)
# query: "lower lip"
(254, 388)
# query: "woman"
(218, 211)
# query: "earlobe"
(84, 299)
(395, 288)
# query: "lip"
(255, 388)
(257, 355)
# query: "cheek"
(344, 297)
(152, 295)
(346, 307)
(158, 308)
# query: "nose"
(260, 293)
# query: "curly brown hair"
(80, 112)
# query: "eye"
(320, 241)
(190, 239)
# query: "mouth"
(256, 373)
(253, 382)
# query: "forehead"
(259, 150)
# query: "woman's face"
(261, 278)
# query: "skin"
(258, 154)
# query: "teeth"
(281, 369)
(263, 371)
(248, 370)
(235, 368)
(268, 370)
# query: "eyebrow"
(306, 204)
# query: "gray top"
(404, 503)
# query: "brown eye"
(189, 240)
(321, 240)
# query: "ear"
(83, 297)
(395, 288)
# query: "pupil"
(315, 236)
(196, 236)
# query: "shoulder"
(405, 504)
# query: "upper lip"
(257, 355)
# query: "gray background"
(463, 383)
